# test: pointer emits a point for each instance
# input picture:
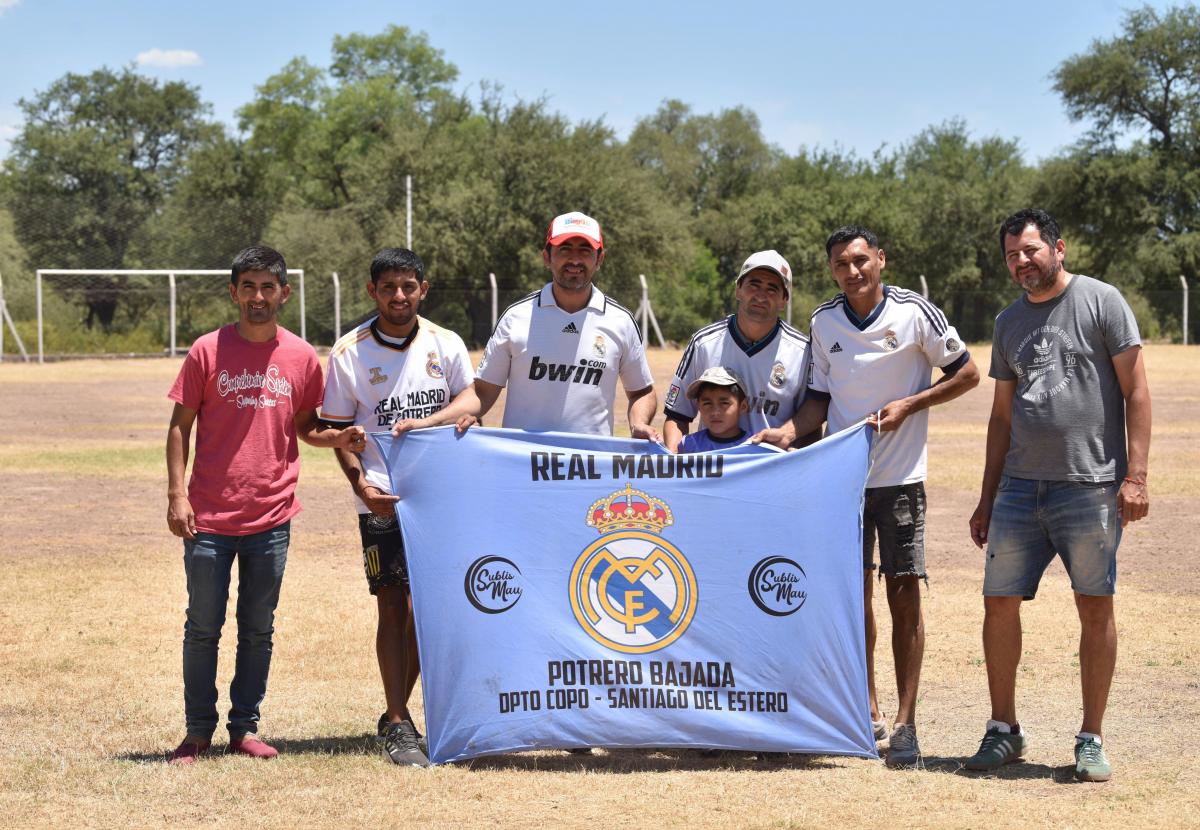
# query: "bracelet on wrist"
(1140, 482)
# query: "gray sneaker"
(903, 749)
(400, 745)
(997, 749)
(1090, 762)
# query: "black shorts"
(897, 516)
(383, 551)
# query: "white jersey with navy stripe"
(373, 382)
(774, 370)
(864, 364)
(561, 369)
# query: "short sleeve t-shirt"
(561, 369)
(864, 364)
(774, 370)
(375, 381)
(246, 396)
(1068, 416)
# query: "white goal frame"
(169, 273)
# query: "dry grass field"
(91, 616)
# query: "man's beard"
(1043, 280)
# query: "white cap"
(772, 261)
(717, 376)
(574, 224)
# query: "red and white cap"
(574, 224)
(771, 261)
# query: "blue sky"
(817, 75)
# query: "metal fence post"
(171, 283)
(303, 330)
(924, 287)
(337, 307)
(495, 300)
(41, 345)
(1183, 282)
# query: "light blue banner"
(578, 591)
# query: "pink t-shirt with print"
(247, 458)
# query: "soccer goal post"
(111, 292)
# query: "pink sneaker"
(188, 752)
(252, 746)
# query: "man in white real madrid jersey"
(874, 347)
(560, 350)
(396, 368)
(769, 355)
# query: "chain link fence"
(130, 315)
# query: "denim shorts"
(897, 516)
(383, 551)
(1034, 520)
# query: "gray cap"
(717, 376)
(772, 261)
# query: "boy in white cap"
(720, 398)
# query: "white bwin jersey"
(561, 369)
(774, 370)
(863, 365)
(374, 381)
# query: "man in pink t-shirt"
(252, 388)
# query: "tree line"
(112, 169)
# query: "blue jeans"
(208, 562)
(1032, 521)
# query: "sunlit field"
(91, 617)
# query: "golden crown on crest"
(629, 509)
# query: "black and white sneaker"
(400, 745)
(385, 721)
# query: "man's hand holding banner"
(584, 591)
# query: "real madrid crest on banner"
(631, 589)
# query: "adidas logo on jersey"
(569, 328)
(586, 371)
(837, 347)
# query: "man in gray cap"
(769, 356)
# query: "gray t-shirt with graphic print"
(1068, 418)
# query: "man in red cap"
(561, 349)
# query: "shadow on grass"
(625, 761)
(362, 744)
(616, 761)
(1010, 772)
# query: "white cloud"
(165, 58)
(5, 5)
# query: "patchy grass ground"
(91, 616)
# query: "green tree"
(95, 159)
(1135, 206)
(956, 191)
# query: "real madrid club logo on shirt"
(598, 347)
(778, 375)
(631, 589)
(433, 366)
(890, 340)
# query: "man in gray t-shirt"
(1067, 445)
